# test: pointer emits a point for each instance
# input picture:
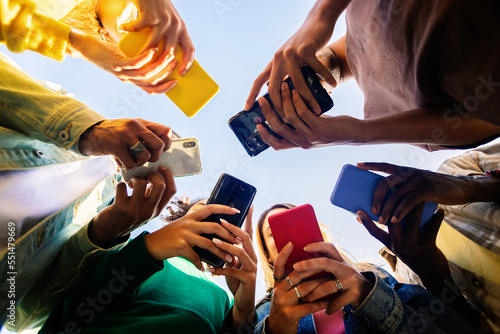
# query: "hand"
(180, 236)
(166, 24)
(117, 136)
(286, 308)
(240, 273)
(148, 199)
(310, 130)
(147, 70)
(413, 186)
(355, 286)
(299, 50)
(415, 246)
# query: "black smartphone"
(232, 192)
(244, 124)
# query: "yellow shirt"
(33, 25)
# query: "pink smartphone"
(300, 226)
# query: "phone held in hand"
(354, 191)
(300, 227)
(232, 192)
(244, 124)
(181, 159)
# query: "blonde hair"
(268, 267)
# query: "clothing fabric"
(40, 128)
(480, 223)
(410, 54)
(129, 292)
(32, 25)
(390, 307)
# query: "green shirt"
(131, 293)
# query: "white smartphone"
(182, 159)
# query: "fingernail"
(229, 258)
(394, 219)
(374, 210)
(211, 270)
(381, 220)
(217, 241)
(359, 219)
(183, 72)
(203, 268)
(238, 241)
(162, 168)
(235, 210)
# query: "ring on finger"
(297, 292)
(279, 279)
(338, 285)
(290, 282)
(137, 148)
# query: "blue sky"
(235, 39)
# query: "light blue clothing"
(40, 127)
(390, 307)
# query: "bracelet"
(493, 172)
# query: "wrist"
(363, 290)
(101, 238)
(484, 189)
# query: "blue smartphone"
(354, 191)
(232, 192)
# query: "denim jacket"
(40, 127)
(390, 307)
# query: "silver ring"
(138, 148)
(290, 281)
(297, 291)
(338, 285)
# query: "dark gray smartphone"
(232, 192)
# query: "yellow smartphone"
(193, 90)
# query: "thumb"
(135, 25)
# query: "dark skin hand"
(416, 246)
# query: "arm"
(22, 28)
(301, 49)
(334, 58)
(432, 126)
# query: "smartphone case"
(299, 226)
(354, 191)
(181, 159)
(193, 90)
(232, 192)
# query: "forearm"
(327, 9)
(425, 126)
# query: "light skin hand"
(179, 237)
(240, 273)
(116, 137)
(412, 186)
(301, 49)
(166, 24)
(286, 309)
(355, 286)
(148, 199)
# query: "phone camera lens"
(189, 144)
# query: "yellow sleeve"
(22, 28)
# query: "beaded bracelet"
(493, 172)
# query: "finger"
(319, 264)
(209, 245)
(383, 186)
(303, 89)
(136, 25)
(188, 51)
(338, 302)
(247, 225)
(139, 185)
(375, 231)
(121, 193)
(169, 190)
(289, 109)
(243, 236)
(281, 128)
(381, 167)
(153, 143)
(404, 188)
(163, 132)
(257, 86)
(214, 228)
(143, 157)
(191, 255)
(153, 73)
(307, 119)
(235, 251)
(212, 209)
(430, 230)
(408, 203)
(142, 59)
(411, 231)
(276, 143)
(158, 89)
(156, 190)
(324, 247)
(323, 72)
(279, 263)
(124, 156)
(276, 78)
